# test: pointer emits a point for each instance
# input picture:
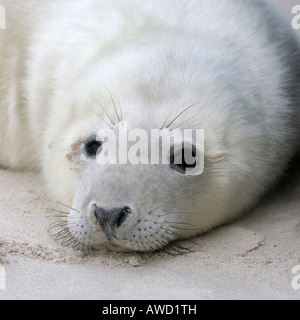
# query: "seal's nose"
(112, 219)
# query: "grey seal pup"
(69, 69)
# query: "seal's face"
(134, 206)
(138, 206)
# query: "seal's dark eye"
(91, 148)
(183, 159)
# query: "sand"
(251, 258)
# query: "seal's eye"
(91, 148)
(183, 159)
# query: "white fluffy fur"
(235, 57)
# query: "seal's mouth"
(118, 230)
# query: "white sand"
(249, 259)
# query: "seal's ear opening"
(183, 157)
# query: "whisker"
(68, 242)
(188, 250)
(187, 121)
(160, 245)
(114, 104)
(184, 229)
(101, 118)
(180, 237)
(55, 226)
(150, 244)
(182, 223)
(184, 111)
(121, 111)
(68, 207)
(154, 210)
(59, 230)
(67, 217)
(58, 211)
(164, 237)
(109, 117)
(163, 126)
(173, 246)
(181, 250)
(173, 213)
(161, 242)
(63, 232)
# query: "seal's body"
(65, 65)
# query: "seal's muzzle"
(111, 219)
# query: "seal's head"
(143, 207)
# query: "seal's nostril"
(124, 215)
(111, 219)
